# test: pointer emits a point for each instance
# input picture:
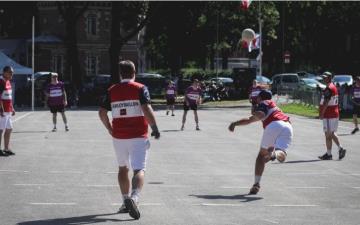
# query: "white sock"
(135, 195)
(257, 179)
(126, 196)
(328, 152)
(339, 147)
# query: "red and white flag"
(245, 4)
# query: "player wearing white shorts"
(277, 134)
(329, 113)
(6, 109)
(129, 103)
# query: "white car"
(343, 79)
(309, 83)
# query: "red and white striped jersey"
(272, 112)
(6, 95)
(124, 100)
(331, 94)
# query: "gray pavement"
(193, 177)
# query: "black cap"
(265, 95)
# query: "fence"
(310, 97)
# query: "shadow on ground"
(303, 161)
(89, 219)
(242, 198)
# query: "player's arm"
(327, 97)
(65, 96)
(148, 111)
(258, 115)
(105, 106)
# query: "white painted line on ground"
(14, 171)
(23, 116)
(292, 205)
(220, 204)
(306, 187)
(356, 187)
(72, 172)
(33, 184)
(111, 172)
(271, 221)
(52, 203)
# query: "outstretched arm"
(245, 121)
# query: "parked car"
(223, 80)
(154, 82)
(343, 79)
(262, 79)
(310, 84)
(285, 82)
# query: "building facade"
(93, 41)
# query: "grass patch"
(310, 111)
(300, 109)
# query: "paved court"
(193, 177)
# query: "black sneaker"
(254, 189)
(167, 112)
(197, 128)
(66, 128)
(325, 157)
(3, 154)
(355, 130)
(133, 209)
(342, 153)
(123, 209)
(173, 114)
(54, 129)
(9, 152)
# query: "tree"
(71, 12)
(128, 18)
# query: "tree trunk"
(115, 45)
(73, 64)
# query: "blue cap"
(265, 95)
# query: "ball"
(248, 35)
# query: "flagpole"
(260, 40)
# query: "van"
(284, 83)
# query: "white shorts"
(331, 124)
(132, 153)
(277, 134)
(5, 121)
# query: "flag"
(245, 4)
(255, 44)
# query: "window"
(91, 24)
(290, 79)
(57, 63)
(92, 65)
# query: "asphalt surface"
(193, 177)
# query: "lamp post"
(33, 65)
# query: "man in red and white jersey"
(277, 134)
(329, 113)
(56, 99)
(6, 109)
(191, 101)
(129, 103)
(170, 97)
